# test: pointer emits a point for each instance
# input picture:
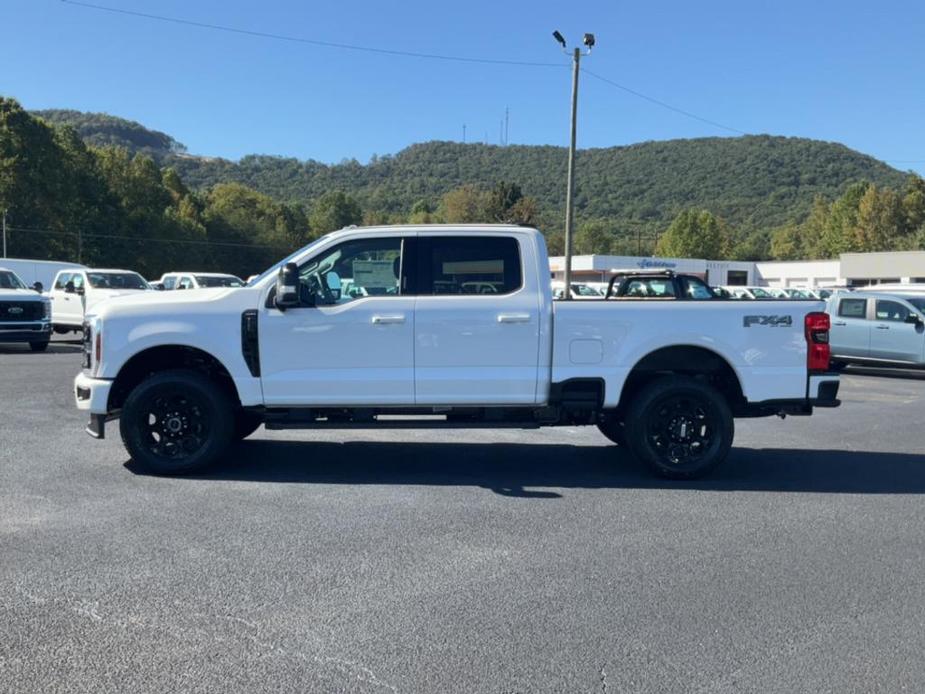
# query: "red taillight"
(818, 352)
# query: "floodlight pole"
(4, 233)
(570, 186)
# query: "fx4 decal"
(771, 321)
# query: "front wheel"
(682, 428)
(38, 346)
(176, 422)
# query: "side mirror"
(913, 318)
(69, 288)
(158, 286)
(38, 287)
(287, 287)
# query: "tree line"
(118, 206)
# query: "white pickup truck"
(190, 372)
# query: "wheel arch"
(689, 360)
(162, 357)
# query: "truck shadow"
(543, 471)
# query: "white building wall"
(800, 273)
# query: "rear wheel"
(837, 365)
(176, 422)
(682, 428)
(38, 346)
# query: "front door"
(477, 322)
(892, 337)
(850, 334)
(351, 343)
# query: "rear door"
(477, 322)
(850, 335)
(891, 337)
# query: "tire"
(176, 422)
(38, 346)
(680, 427)
(245, 424)
(614, 429)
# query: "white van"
(41, 271)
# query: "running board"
(300, 419)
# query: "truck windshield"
(226, 281)
(9, 280)
(760, 293)
(116, 280)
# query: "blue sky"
(844, 71)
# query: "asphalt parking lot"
(463, 561)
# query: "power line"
(230, 244)
(313, 42)
(662, 103)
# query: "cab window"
(852, 308)
(185, 283)
(78, 280)
(170, 282)
(63, 279)
(891, 311)
(650, 288)
(694, 288)
(353, 270)
(470, 265)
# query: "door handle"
(839, 322)
(513, 317)
(883, 327)
(388, 320)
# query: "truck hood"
(166, 303)
(21, 295)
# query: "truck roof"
(447, 228)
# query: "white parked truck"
(190, 372)
(76, 291)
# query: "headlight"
(46, 315)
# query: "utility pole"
(464, 133)
(570, 189)
(80, 245)
(506, 123)
(4, 233)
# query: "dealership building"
(849, 270)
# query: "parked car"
(748, 293)
(793, 293)
(873, 327)
(74, 292)
(38, 271)
(187, 373)
(658, 284)
(196, 280)
(25, 315)
(580, 290)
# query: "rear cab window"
(852, 308)
(470, 265)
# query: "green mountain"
(101, 129)
(754, 182)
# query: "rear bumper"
(821, 391)
(38, 331)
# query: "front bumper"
(92, 395)
(38, 331)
